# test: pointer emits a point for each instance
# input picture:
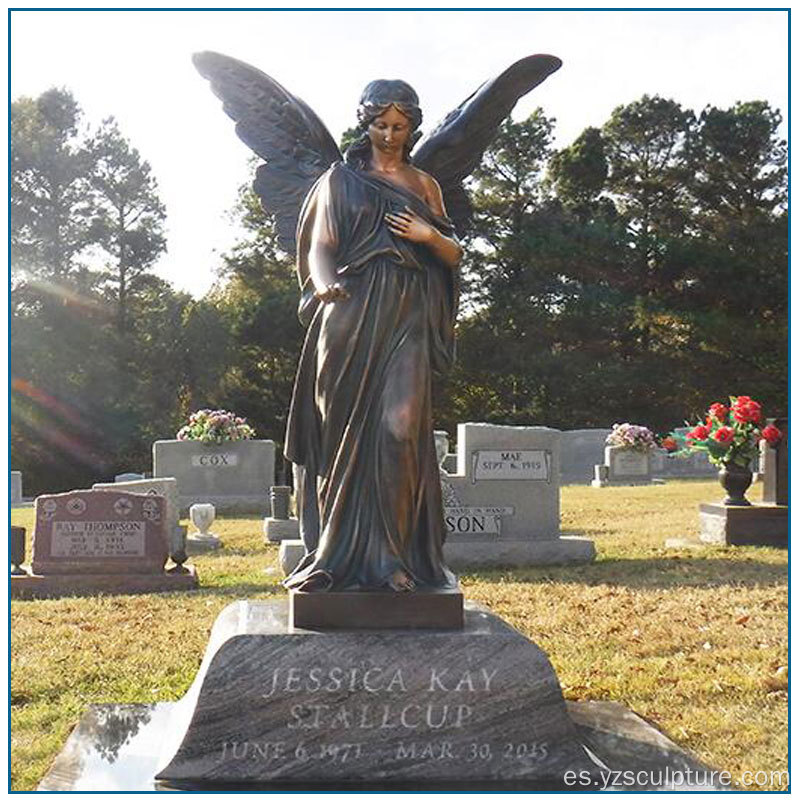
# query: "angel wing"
(279, 127)
(454, 148)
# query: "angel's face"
(390, 131)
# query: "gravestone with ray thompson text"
(89, 541)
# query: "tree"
(85, 399)
(503, 331)
(49, 182)
(579, 172)
(258, 296)
(128, 216)
(737, 284)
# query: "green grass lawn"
(696, 640)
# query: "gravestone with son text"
(502, 505)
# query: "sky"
(136, 66)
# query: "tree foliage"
(637, 274)
(645, 276)
(88, 390)
(127, 214)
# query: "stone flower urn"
(735, 480)
(202, 515)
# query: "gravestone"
(279, 709)
(759, 524)
(15, 488)
(695, 465)
(580, 451)
(163, 487)
(623, 466)
(776, 467)
(89, 541)
(234, 476)
(502, 505)
(273, 703)
(127, 477)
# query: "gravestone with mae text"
(502, 505)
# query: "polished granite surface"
(273, 707)
(118, 748)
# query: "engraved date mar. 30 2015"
(470, 751)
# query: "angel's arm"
(445, 247)
(408, 225)
(322, 265)
(322, 250)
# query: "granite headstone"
(580, 450)
(502, 505)
(89, 541)
(623, 466)
(15, 488)
(99, 532)
(234, 476)
(275, 704)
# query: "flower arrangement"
(215, 427)
(729, 435)
(633, 437)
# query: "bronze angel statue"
(377, 263)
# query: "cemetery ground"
(695, 640)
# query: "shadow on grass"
(241, 591)
(657, 573)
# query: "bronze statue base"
(432, 609)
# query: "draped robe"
(360, 429)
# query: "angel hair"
(379, 95)
(377, 98)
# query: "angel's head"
(388, 117)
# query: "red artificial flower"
(717, 411)
(723, 435)
(772, 434)
(669, 444)
(745, 409)
(700, 433)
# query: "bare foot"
(401, 582)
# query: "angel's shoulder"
(333, 178)
(432, 192)
(427, 180)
